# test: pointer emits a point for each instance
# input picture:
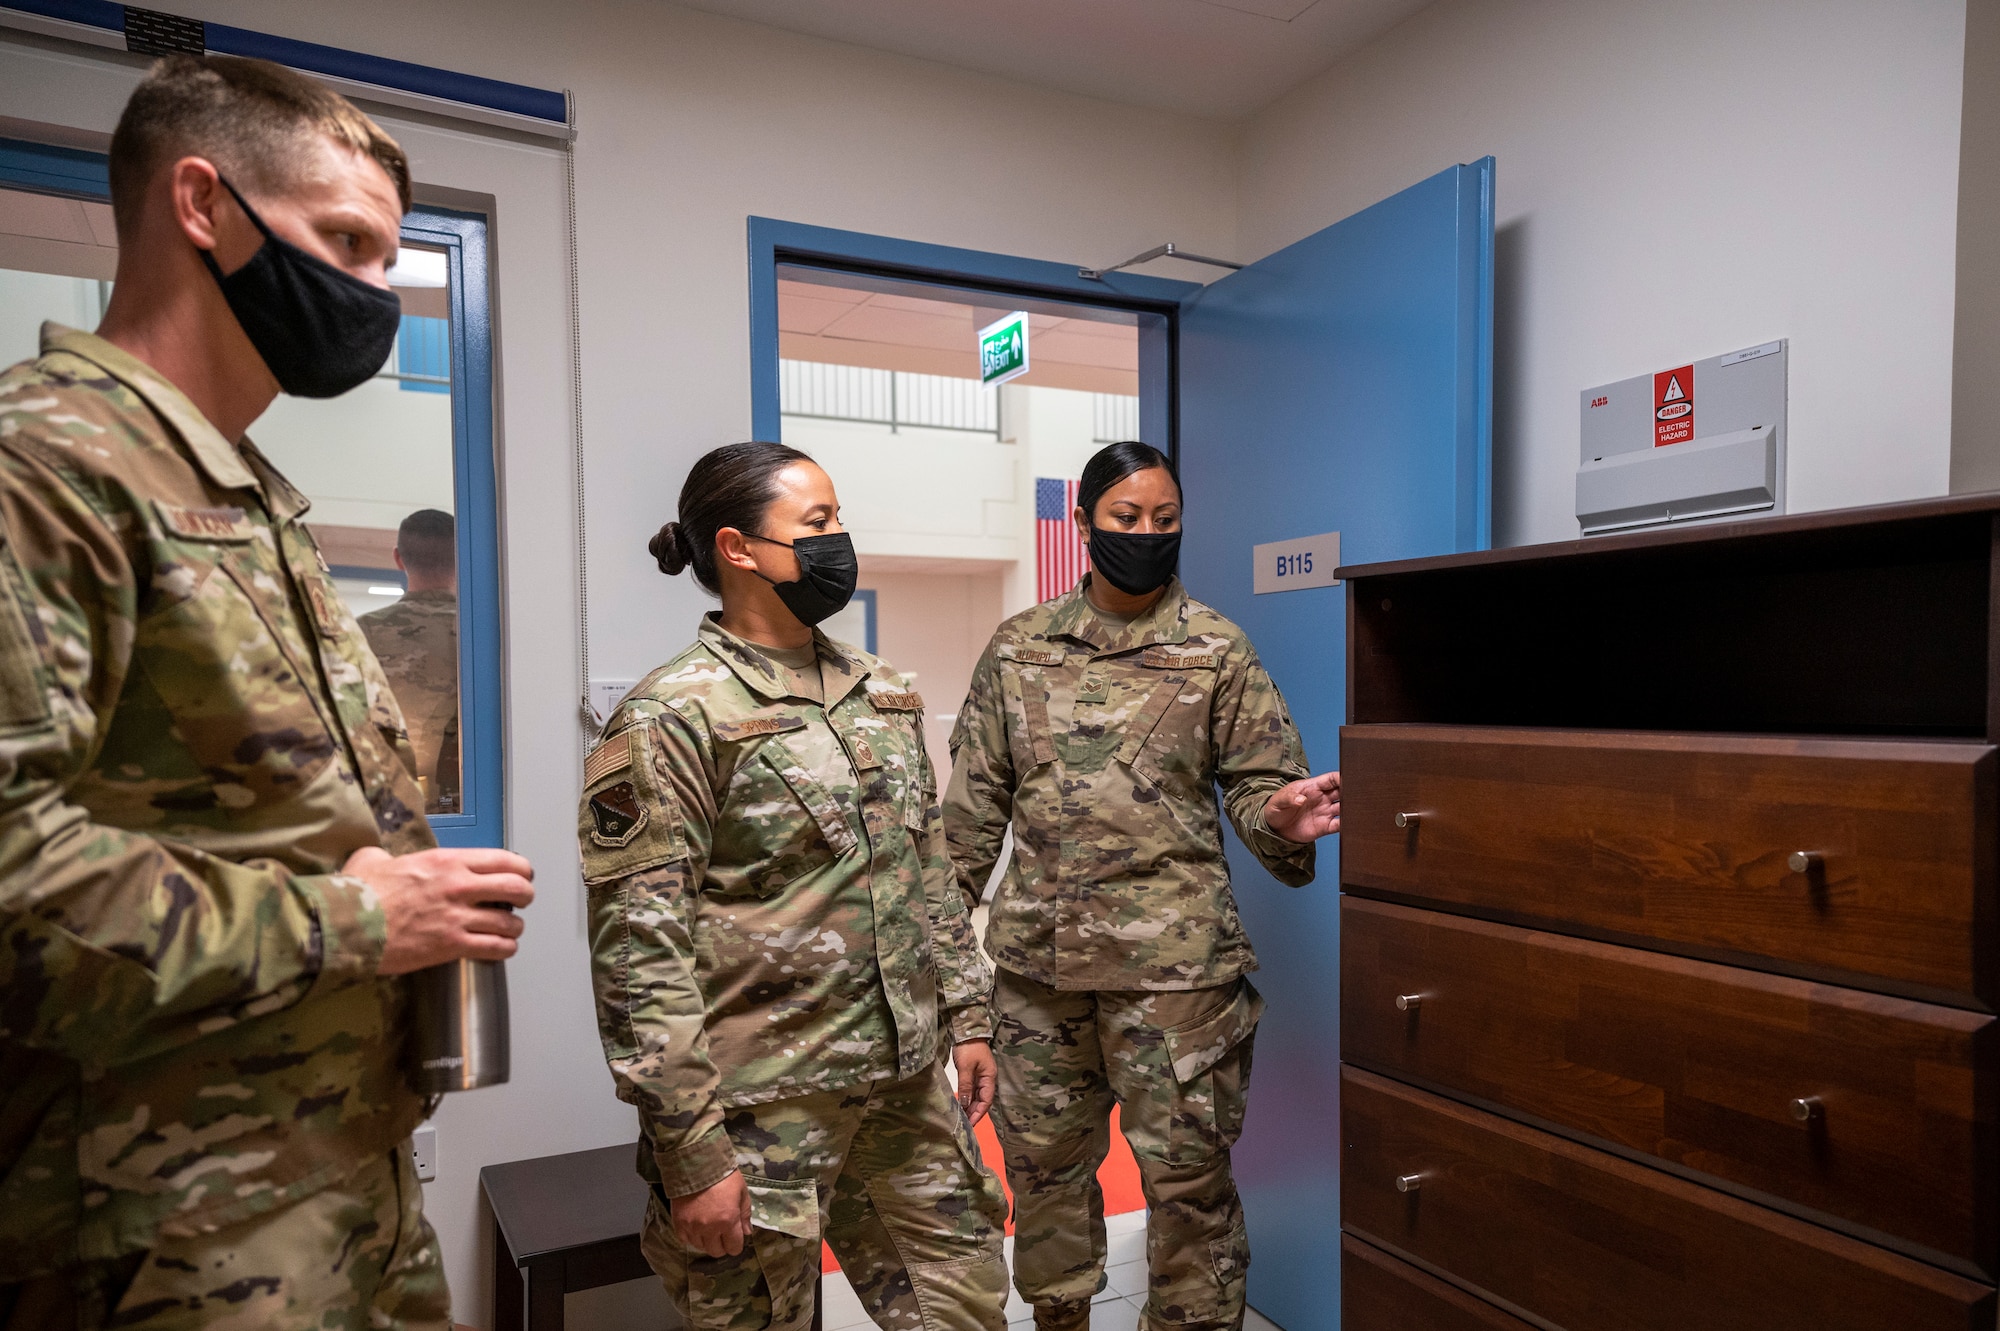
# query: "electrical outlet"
(424, 1145)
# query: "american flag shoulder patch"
(613, 755)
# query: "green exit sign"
(1003, 349)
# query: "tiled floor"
(1116, 1307)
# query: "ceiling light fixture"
(419, 268)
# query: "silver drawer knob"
(1804, 861)
(1806, 1108)
(1408, 819)
(1409, 1182)
(1408, 1002)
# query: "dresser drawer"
(1687, 840)
(1380, 1293)
(1585, 1240)
(1693, 1062)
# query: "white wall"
(368, 458)
(1975, 407)
(1677, 179)
(933, 626)
(917, 492)
(27, 299)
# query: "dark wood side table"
(563, 1223)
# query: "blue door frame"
(773, 243)
(77, 174)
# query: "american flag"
(1059, 553)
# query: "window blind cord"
(587, 719)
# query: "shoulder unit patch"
(615, 814)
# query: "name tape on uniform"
(206, 524)
(1295, 565)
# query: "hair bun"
(669, 548)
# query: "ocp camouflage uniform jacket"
(193, 739)
(1102, 746)
(416, 640)
(772, 913)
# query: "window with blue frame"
(400, 471)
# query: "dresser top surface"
(1706, 537)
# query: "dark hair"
(1112, 464)
(428, 541)
(254, 120)
(729, 486)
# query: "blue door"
(1342, 384)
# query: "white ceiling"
(1217, 58)
(839, 325)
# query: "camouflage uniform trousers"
(889, 1172)
(1177, 1062)
(357, 1256)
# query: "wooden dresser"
(1670, 943)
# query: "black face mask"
(827, 574)
(319, 330)
(1135, 562)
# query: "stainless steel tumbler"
(458, 1026)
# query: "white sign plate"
(1294, 565)
(606, 694)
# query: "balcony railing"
(1113, 417)
(893, 398)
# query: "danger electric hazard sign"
(1673, 406)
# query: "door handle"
(1807, 1109)
(1409, 1182)
(1408, 1002)
(1805, 861)
(1408, 820)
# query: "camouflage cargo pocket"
(784, 1219)
(1230, 1256)
(1211, 1068)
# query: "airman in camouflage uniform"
(1123, 962)
(416, 640)
(778, 948)
(194, 737)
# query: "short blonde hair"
(252, 118)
